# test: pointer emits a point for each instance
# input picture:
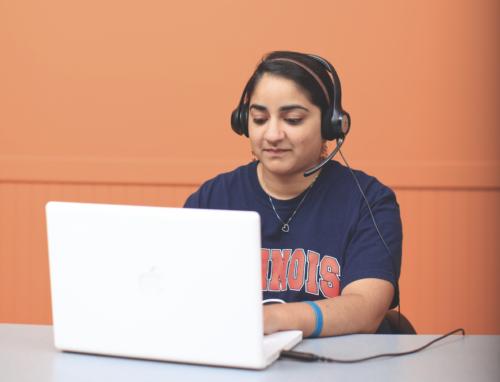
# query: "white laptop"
(172, 284)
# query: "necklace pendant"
(285, 227)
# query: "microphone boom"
(312, 170)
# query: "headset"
(335, 123)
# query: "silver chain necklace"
(286, 225)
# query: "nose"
(274, 131)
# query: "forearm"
(345, 314)
(341, 315)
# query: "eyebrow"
(282, 108)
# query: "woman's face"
(284, 127)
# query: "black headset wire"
(311, 357)
(374, 223)
(367, 204)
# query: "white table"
(27, 354)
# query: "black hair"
(272, 65)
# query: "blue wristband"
(319, 318)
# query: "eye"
(294, 121)
(259, 121)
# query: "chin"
(278, 168)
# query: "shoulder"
(347, 181)
(355, 196)
(214, 192)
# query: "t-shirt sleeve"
(211, 194)
(193, 201)
(366, 255)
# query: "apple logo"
(151, 282)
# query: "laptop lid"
(159, 283)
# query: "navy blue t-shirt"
(332, 240)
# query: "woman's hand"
(289, 316)
(272, 318)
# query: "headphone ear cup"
(329, 127)
(325, 126)
(335, 127)
(244, 119)
(239, 120)
(235, 121)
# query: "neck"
(284, 187)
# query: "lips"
(276, 151)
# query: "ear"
(324, 150)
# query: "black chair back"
(398, 323)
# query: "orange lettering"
(330, 277)
(312, 272)
(279, 262)
(264, 266)
(296, 270)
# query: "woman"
(323, 260)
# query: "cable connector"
(299, 356)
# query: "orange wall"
(122, 102)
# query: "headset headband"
(314, 75)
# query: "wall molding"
(185, 171)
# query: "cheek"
(309, 141)
(254, 139)
(310, 135)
